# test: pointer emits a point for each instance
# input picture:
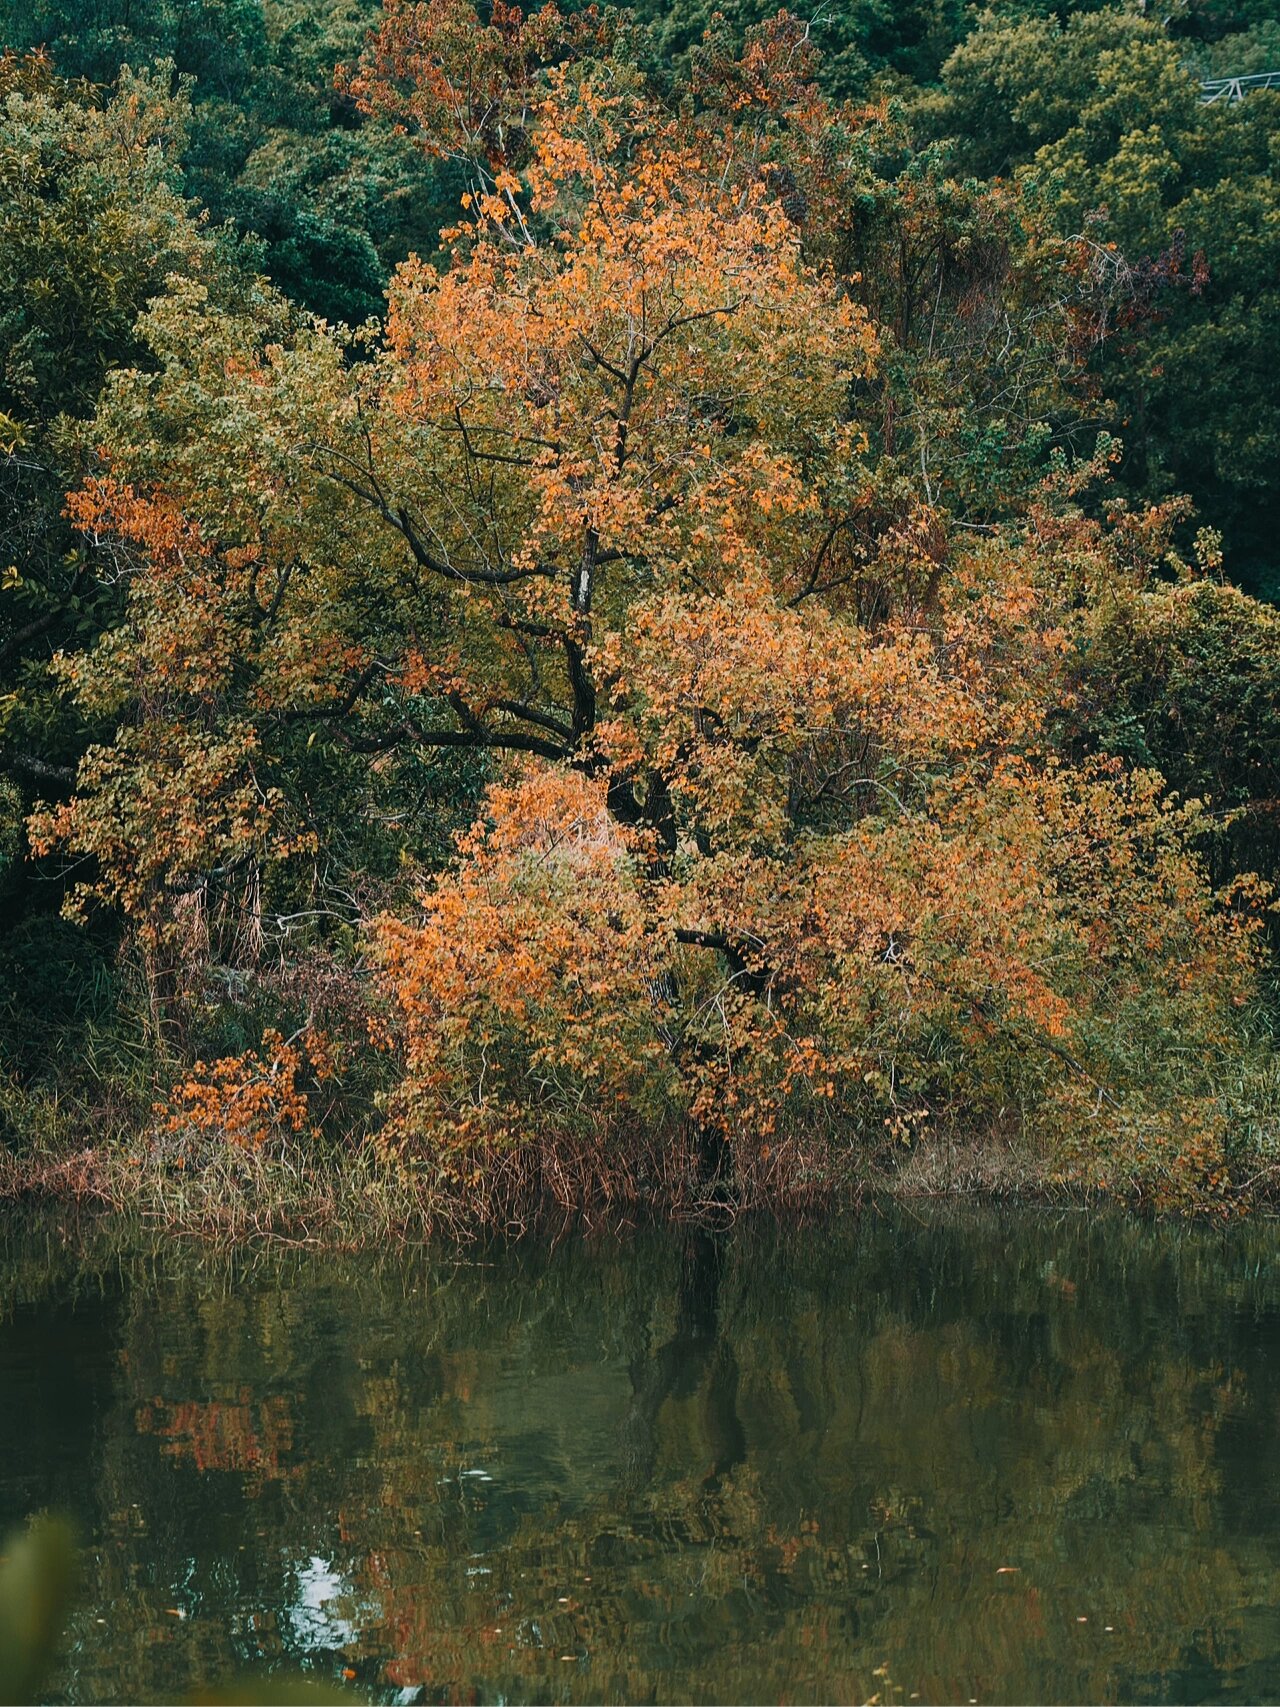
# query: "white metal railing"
(1236, 88)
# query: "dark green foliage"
(1175, 203)
(330, 202)
(859, 41)
(1186, 679)
(221, 41)
(92, 227)
(974, 299)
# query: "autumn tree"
(93, 228)
(776, 849)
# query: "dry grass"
(309, 1193)
(356, 1197)
(998, 1165)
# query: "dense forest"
(653, 604)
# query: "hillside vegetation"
(636, 605)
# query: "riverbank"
(312, 1194)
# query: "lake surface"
(1028, 1457)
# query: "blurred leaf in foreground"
(37, 1580)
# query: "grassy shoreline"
(356, 1199)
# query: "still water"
(1028, 1457)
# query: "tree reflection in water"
(1013, 1457)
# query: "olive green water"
(1010, 1457)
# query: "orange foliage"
(462, 87)
(570, 984)
(248, 1099)
(780, 837)
(240, 1436)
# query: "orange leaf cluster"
(247, 1100)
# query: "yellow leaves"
(746, 701)
(458, 84)
(157, 811)
(556, 957)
